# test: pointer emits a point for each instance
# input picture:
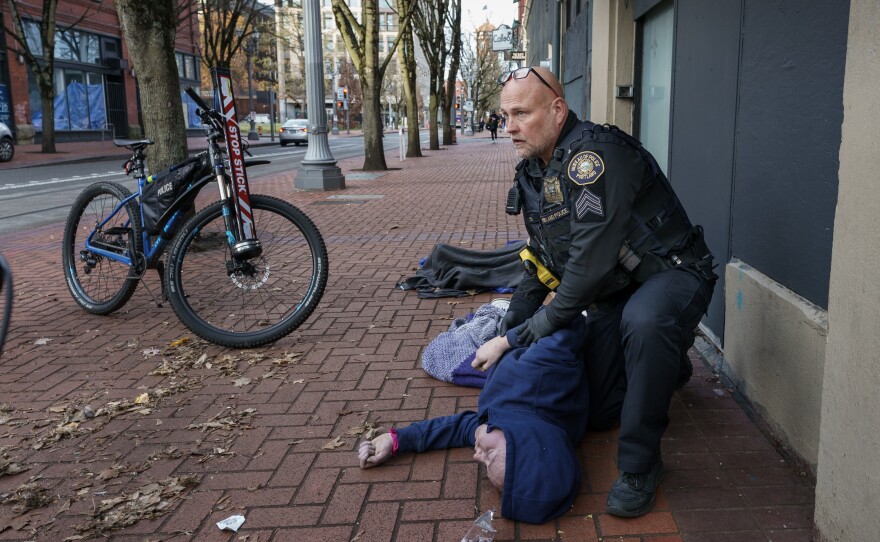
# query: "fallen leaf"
(178, 342)
(239, 382)
(149, 352)
(26, 497)
(42, 341)
(142, 398)
(111, 473)
(298, 381)
(357, 536)
(333, 444)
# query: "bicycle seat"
(133, 143)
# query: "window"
(187, 67)
(70, 45)
(32, 35)
(328, 21)
(79, 100)
(656, 81)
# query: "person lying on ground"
(531, 415)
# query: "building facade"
(337, 65)
(744, 109)
(95, 83)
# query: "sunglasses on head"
(522, 73)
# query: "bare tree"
(407, 60)
(448, 97)
(481, 68)
(348, 78)
(149, 29)
(429, 23)
(295, 81)
(362, 43)
(41, 62)
(226, 24)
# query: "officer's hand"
(510, 321)
(534, 328)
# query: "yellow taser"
(535, 268)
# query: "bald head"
(532, 102)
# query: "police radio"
(514, 201)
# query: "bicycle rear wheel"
(100, 285)
(254, 302)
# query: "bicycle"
(242, 272)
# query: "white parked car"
(7, 147)
(294, 131)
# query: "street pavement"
(126, 427)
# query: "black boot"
(633, 494)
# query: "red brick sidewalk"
(289, 464)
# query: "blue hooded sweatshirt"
(538, 397)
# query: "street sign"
(469, 105)
(502, 38)
(339, 94)
(517, 55)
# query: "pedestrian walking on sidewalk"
(603, 219)
(492, 125)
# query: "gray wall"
(703, 124)
(540, 30)
(576, 61)
(788, 138)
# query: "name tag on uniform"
(553, 216)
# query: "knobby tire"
(263, 300)
(102, 285)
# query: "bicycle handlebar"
(196, 98)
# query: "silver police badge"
(585, 168)
(552, 190)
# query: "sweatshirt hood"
(542, 475)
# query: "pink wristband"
(394, 444)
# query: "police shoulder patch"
(586, 167)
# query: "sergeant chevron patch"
(588, 203)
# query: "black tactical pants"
(633, 350)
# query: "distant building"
(95, 83)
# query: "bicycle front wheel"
(99, 284)
(247, 303)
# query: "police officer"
(610, 237)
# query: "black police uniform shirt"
(578, 221)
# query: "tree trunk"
(149, 29)
(455, 61)
(408, 74)
(446, 99)
(47, 102)
(433, 140)
(374, 149)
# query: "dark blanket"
(454, 272)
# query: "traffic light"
(457, 104)
(345, 93)
(338, 104)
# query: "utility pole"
(318, 169)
